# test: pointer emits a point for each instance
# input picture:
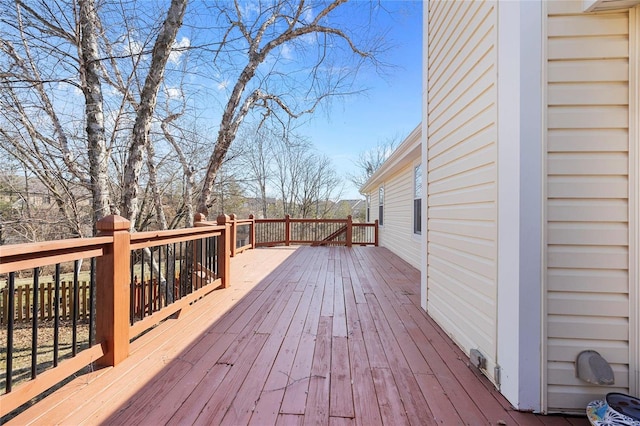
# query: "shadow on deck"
(304, 335)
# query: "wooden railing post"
(198, 218)
(198, 252)
(234, 234)
(113, 287)
(224, 252)
(349, 231)
(287, 229)
(252, 232)
(375, 231)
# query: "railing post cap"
(251, 216)
(113, 223)
(199, 217)
(232, 216)
(222, 219)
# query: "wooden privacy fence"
(23, 302)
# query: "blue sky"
(391, 108)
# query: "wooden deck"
(313, 335)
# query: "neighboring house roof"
(406, 153)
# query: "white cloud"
(285, 51)
(249, 9)
(174, 56)
(173, 92)
(132, 47)
(307, 16)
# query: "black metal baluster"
(132, 287)
(76, 307)
(56, 316)
(171, 273)
(200, 261)
(215, 253)
(143, 307)
(10, 323)
(34, 323)
(152, 287)
(188, 266)
(182, 278)
(160, 276)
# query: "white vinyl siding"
(461, 173)
(587, 223)
(373, 206)
(395, 175)
(397, 234)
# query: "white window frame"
(417, 199)
(381, 205)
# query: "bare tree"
(256, 161)
(370, 160)
(80, 83)
(306, 181)
(50, 52)
(320, 185)
(254, 41)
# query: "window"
(380, 205)
(417, 199)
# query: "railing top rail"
(47, 246)
(318, 220)
(155, 238)
(292, 220)
(150, 238)
(242, 221)
(31, 255)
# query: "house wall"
(587, 200)
(397, 233)
(396, 175)
(461, 173)
(373, 207)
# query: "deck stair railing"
(333, 238)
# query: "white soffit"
(602, 5)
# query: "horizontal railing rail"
(136, 280)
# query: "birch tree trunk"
(148, 100)
(92, 89)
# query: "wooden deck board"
(341, 396)
(313, 335)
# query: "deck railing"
(136, 280)
(316, 232)
(108, 289)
